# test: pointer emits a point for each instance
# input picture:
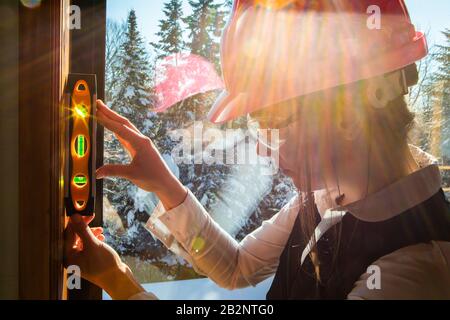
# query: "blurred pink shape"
(181, 76)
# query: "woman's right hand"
(147, 169)
(98, 262)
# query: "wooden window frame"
(43, 68)
(46, 56)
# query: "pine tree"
(170, 31)
(441, 93)
(443, 58)
(433, 111)
(220, 14)
(201, 26)
(115, 35)
(133, 96)
(169, 42)
(132, 100)
(228, 3)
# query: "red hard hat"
(275, 50)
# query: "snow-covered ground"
(203, 289)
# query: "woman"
(332, 82)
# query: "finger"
(88, 219)
(82, 230)
(127, 146)
(106, 113)
(109, 113)
(70, 238)
(114, 170)
(102, 107)
(101, 237)
(97, 231)
(126, 133)
(71, 246)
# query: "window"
(155, 32)
(38, 57)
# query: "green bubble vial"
(80, 145)
(80, 180)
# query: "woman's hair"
(394, 122)
(389, 125)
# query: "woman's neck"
(372, 171)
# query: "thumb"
(113, 170)
(70, 237)
(80, 227)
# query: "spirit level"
(79, 182)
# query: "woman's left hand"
(98, 262)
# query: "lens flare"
(198, 244)
(31, 4)
(81, 111)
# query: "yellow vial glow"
(81, 111)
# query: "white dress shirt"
(419, 271)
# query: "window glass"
(153, 45)
(144, 40)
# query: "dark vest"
(348, 248)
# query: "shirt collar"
(395, 198)
(398, 197)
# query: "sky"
(430, 16)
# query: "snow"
(203, 289)
(132, 231)
(144, 101)
(204, 200)
(168, 159)
(243, 184)
(172, 259)
(148, 124)
(230, 138)
(129, 92)
(144, 201)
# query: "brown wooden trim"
(60, 221)
(43, 66)
(87, 55)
